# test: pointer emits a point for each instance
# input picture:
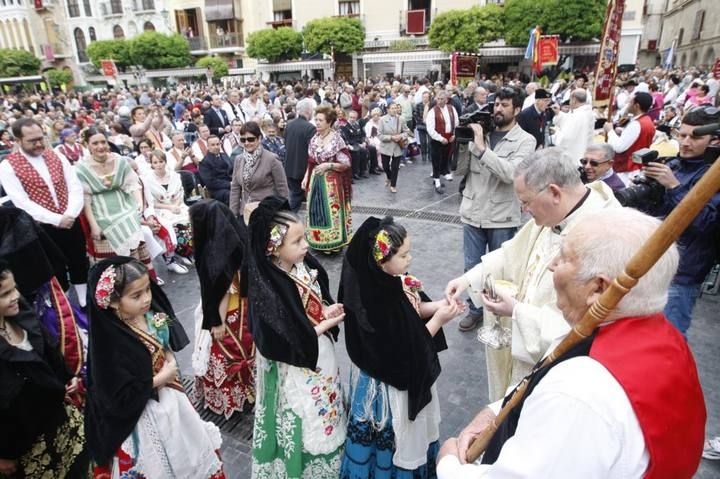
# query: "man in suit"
(232, 107)
(216, 118)
(532, 119)
(216, 171)
(354, 136)
(298, 134)
(479, 100)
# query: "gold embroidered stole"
(157, 355)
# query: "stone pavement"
(432, 222)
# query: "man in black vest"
(298, 134)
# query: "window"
(349, 7)
(116, 7)
(73, 8)
(86, 6)
(680, 37)
(91, 32)
(118, 32)
(698, 26)
(80, 45)
(281, 15)
(148, 5)
(148, 27)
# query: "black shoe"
(375, 172)
(364, 175)
(440, 189)
(356, 176)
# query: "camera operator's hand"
(479, 139)
(662, 174)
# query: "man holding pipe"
(625, 402)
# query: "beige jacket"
(390, 126)
(267, 179)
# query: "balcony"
(230, 40)
(140, 6)
(287, 22)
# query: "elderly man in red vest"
(45, 186)
(638, 134)
(441, 121)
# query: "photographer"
(698, 244)
(490, 210)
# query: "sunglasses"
(593, 163)
(248, 139)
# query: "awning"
(33, 78)
(295, 66)
(413, 56)
(504, 52)
(241, 71)
(219, 10)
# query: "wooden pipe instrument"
(648, 254)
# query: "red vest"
(33, 184)
(653, 364)
(440, 121)
(72, 154)
(623, 161)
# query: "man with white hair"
(549, 188)
(624, 402)
(575, 128)
(530, 92)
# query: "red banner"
(548, 50)
(716, 68)
(606, 68)
(415, 22)
(108, 68)
(466, 66)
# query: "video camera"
(645, 191)
(483, 117)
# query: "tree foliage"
(275, 45)
(58, 77)
(466, 30)
(218, 65)
(16, 63)
(118, 50)
(577, 20)
(154, 50)
(344, 35)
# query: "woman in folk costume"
(393, 334)
(299, 414)
(138, 421)
(113, 202)
(69, 147)
(328, 182)
(228, 382)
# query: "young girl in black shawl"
(228, 382)
(393, 334)
(139, 422)
(299, 414)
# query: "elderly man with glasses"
(597, 166)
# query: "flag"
(532, 43)
(669, 53)
(606, 68)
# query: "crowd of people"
(556, 195)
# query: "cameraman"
(698, 244)
(490, 210)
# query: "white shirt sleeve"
(626, 139)
(15, 191)
(430, 125)
(75, 190)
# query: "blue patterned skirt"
(368, 452)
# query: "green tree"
(58, 77)
(344, 35)
(118, 50)
(218, 65)
(275, 45)
(17, 63)
(577, 20)
(154, 50)
(466, 30)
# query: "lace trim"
(316, 468)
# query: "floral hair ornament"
(105, 287)
(277, 234)
(381, 248)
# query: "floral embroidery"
(325, 397)
(160, 320)
(284, 433)
(412, 283)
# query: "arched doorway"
(80, 45)
(118, 32)
(694, 58)
(148, 27)
(709, 58)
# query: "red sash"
(653, 364)
(311, 302)
(33, 184)
(72, 154)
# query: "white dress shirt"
(629, 135)
(578, 422)
(430, 122)
(15, 191)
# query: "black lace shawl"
(384, 334)
(276, 317)
(119, 371)
(219, 242)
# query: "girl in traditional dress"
(113, 202)
(42, 434)
(328, 182)
(139, 422)
(393, 334)
(228, 383)
(299, 414)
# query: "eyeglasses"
(526, 204)
(248, 139)
(35, 141)
(593, 163)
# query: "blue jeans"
(478, 241)
(681, 301)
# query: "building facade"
(692, 27)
